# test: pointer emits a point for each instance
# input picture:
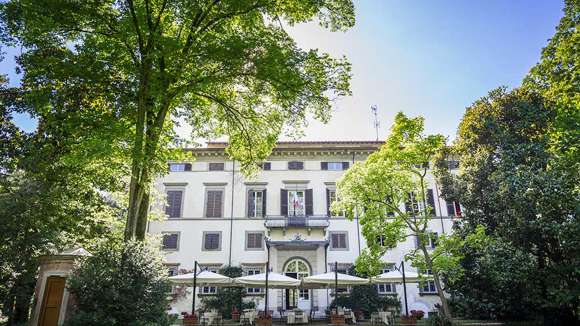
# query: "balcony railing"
(314, 221)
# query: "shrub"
(366, 299)
(227, 298)
(122, 284)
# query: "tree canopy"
(118, 76)
(511, 182)
(377, 190)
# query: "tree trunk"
(429, 262)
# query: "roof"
(297, 147)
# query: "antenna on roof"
(375, 110)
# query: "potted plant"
(419, 314)
(264, 319)
(408, 320)
(189, 319)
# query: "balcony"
(314, 221)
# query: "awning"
(275, 280)
(203, 278)
(331, 279)
(396, 277)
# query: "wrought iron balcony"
(314, 221)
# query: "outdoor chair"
(313, 312)
(375, 318)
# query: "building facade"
(218, 217)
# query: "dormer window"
(295, 165)
(216, 166)
(179, 167)
(334, 166)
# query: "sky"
(422, 57)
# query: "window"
(179, 167)
(453, 208)
(381, 240)
(431, 202)
(170, 241)
(214, 203)
(330, 198)
(412, 204)
(174, 200)
(428, 287)
(295, 165)
(208, 290)
(216, 166)
(453, 164)
(299, 269)
(212, 241)
(334, 166)
(254, 240)
(172, 270)
(296, 203)
(433, 237)
(387, 288)
(266, 166)
(343, 269)
(253, 271)
(339, 240)
(256, 203)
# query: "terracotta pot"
(235, 316)
(408, 320)
(190, 321)
(337, 320)
(266, 321)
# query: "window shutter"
(431, 201)
(334, 240)
(309, 209)
(283, 202)
(251, 208)
(345, 165)
(214, 203)
(324, 165)
(216, 166)
(457, 209)
(327, 201)
(264, 203)
(342, 242)
(187, 167)
(173, 208)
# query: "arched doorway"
(297, 268)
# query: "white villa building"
(218, 217)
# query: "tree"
(121, 284)
(44, 206)
(556, 77)
(387, 180)
(130, 70)
(512, 182)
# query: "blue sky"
(422, 57)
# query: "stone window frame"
(178, 240)
(219, 248)
(262, 243)
(345, 240)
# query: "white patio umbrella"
(275, 280)
(203, 278)
(333, 278)
(396, 277)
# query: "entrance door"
(291, 294)
(50, 309)
(297, 268)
